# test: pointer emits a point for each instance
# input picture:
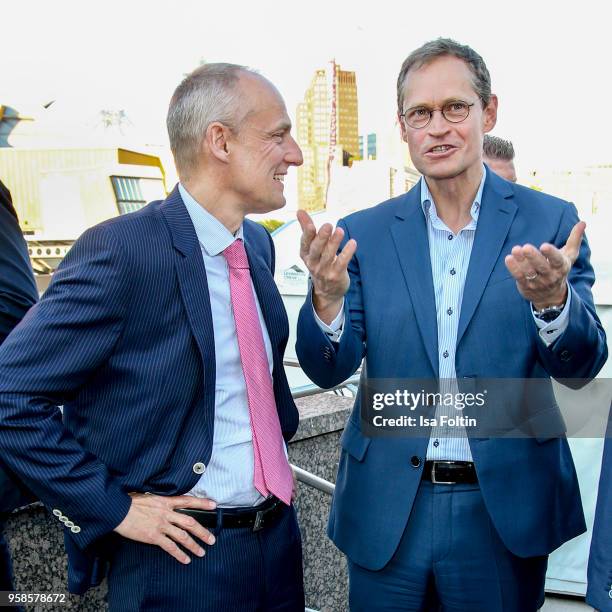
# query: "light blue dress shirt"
(228, 478)
(450, 258)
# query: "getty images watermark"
(539, 408)
(419, 401)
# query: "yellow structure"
(327, 124)
(59, 193)
(347, 119)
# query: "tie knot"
(236, 256)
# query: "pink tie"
(272, 471)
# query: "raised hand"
(327, 267)
(541, 275)
(152, 520)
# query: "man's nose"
(294, 153)
(438, 124)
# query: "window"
(132, 193)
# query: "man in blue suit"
(599, 591)
(162, 335)
(17, 294)
(444, 284)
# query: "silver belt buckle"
(259, 520)
(433, 474)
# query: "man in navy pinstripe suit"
(17, 294)
(153, 471)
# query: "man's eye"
(418, 114)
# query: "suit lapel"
(191, 274)
(412, 245)
(267, 293)
(496, 215)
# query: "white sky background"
(549, 61)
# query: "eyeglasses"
(420, 116)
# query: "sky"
(549, 61)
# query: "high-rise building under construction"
(327, 130)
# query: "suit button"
(75, 529)
(64, 519)
(57, 512)
(199, 468)
(69, 524)
(565, 355)
(415, 461)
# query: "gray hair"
(439, 48)
(495, 147)
(206, 95)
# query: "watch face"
(549, 316)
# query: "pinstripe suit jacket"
(123, 339)
(17, 294)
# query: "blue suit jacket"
(123, 339)
(599, 591)
(17, 287)
(17, 294)
(529, 486)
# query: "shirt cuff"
(549, 332)
(334, 330)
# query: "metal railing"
(312, 480)
(303, 476)
(312, 389)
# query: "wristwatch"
(548, 314)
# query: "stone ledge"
(322, 414)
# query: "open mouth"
(279, 177)
(440, 150)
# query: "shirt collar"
(429, 206)
(212, 234)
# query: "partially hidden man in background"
(162, 335)
(17, 294)
(498, 154)
(465, 276)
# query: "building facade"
(327, 131)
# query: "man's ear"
(402, 127)
(216, 140)
(490, 114)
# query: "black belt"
(254, 517)
(450, 472)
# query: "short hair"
(494, 147)
(438, 48)
(205, 95)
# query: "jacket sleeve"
(325, 362)
(17, 287)
(44, 363)
(599, 576)
(581, 351)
